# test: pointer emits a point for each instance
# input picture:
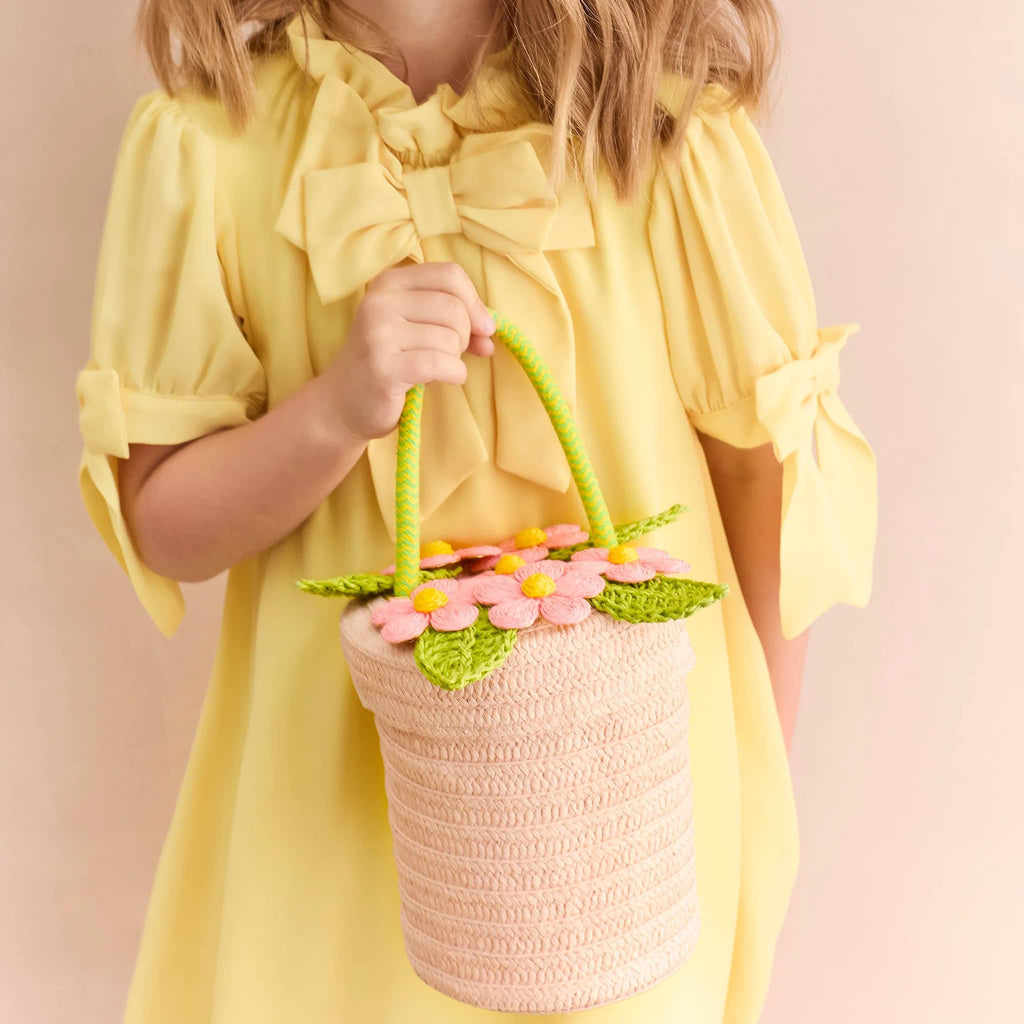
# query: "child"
(285, 255)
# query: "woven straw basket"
(542, 818)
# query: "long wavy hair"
(589, 68)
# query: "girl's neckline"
(492, 62)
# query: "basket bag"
(542, 816)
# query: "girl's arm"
(748, 486)
(195, 509)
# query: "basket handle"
(407, 470)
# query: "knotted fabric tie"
(833, 499)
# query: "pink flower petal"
(436, 561)
(646, 554)
(508, 545)
(466, 594)
(405, 627)
(589, 567)
(580, 584)
(554, 568)
(479, 551)
(630, 572)
(454, 617)
(449, 586)
(564, 535)
(549, 567)
(517, 614)
(390, 609)
(661, 560)
(666, 564)
(591, 555)
(495, 589)
(565, 611)
(534, 554)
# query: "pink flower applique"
(439, 552)
(546, 588)
(532, 545)
(625, 564)
(446, 604)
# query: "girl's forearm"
(748, 487)
(229, 495)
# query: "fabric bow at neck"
(494, 194)
(837, 494)
(358, 206)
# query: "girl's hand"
(412, 327)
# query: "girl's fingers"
(434, 309)
(439, 277)
(480, 345)
(432, 336)
(424, 366)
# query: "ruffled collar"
(493, 99)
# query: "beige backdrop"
(898, 140)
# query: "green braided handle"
(407, 470)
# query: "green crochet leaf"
(365, 584)
(657, 600)
(356, 585)
(454, 660)
(640, 528)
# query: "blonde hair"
(589, 68)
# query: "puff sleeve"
(750, 361)
(168, 361)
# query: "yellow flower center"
(436, 547)
(621, 554)
(530, 538)
(508, 564)
(429, 600)
(540, 584)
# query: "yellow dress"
(230, 268)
